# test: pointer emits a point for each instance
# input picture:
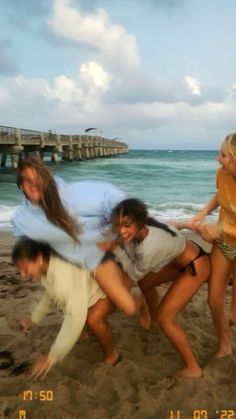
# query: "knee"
(93, 319)
(162, 319)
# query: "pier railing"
(19, 143)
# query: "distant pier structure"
(20, 143)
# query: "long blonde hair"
(50, 200)
(230, 140)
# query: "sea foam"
(5, 217)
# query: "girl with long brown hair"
(72, 218)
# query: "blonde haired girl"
(223, 237)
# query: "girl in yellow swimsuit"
(223, 237)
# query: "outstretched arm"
(209, 207)
(210, 232)
(72, 326)
(38, 313)
(42, 309)
(197, 219)
(180, 225)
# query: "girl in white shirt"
(75, 291)
(152, 253)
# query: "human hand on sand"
(42, 367)
(26, 325)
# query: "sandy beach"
(141, 386)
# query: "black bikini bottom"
(190, 265)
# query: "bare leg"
(148, 284)
(234, 295)
(176, 298)
(145, 318)
(109, 276)
(217, 288)
(96, 320)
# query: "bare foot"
(113, 359)
(223, 352)
(189, 373)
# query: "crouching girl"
(76, 293)
(152, 253)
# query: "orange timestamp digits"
(42, 395)
(203, 414)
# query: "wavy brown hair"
(50, 200)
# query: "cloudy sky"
(159, 74)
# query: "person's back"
(74, 291)
(156, 250)
(70, 286)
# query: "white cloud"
(79, 101)
(65, 106)
(91, 81)
(193, 85)
(111, 90)
(31, 87)
(90, 84)
(117, 47)
(66, 90)
(94, 75)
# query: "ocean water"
(175, 184)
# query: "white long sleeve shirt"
(90, 203)
(157, 250)
(73, 290)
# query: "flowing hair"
(137, 211)
(50, 200)
(230, 140)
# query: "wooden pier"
(20, 143)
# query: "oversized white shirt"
(157, 250)
(73, 290)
